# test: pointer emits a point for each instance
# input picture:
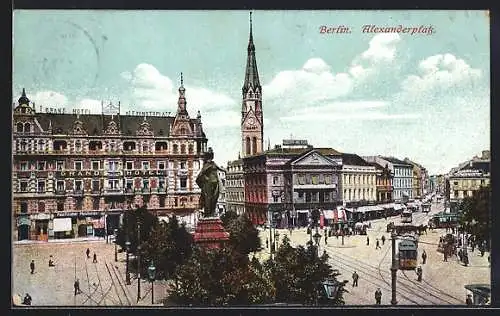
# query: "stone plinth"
(210, 233)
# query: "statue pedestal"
(210, 233)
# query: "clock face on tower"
(251, 121)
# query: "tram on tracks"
(408, 252)
(406, 216)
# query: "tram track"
(423, 288)
(407, 286)
(113, 284)
(122, 287)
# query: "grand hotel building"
(74, 174)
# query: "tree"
(298, 274)
(243, 236)
(212, 278)
(477, 209)
(128, 231)
(169, 246)
(228, 217)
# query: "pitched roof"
(95, 124)
(354, 160)
(396, 161)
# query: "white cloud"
(49, 99)
(441, 72)
(315, 83)
(153, 91)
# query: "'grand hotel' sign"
(102, 173)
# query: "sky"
(422, 95)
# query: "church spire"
(251, 73)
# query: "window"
(60, 165)
(176, 149)
(78, 185)
(190, 149)
(41, 165)
(183, 165)
(183, 183)
(41, 207)
(79, 203)
(145, 183)
(183, 149)
(328, 179)
(161, 183)
(161, 165)
(314, 179)
(23, 145)
(308, 179)
(95, 203)
(145, 165)
(162, 201)
(129, 165)
(113, 184)
(19, 127)
(275, 180)
(23, 186)
(41, 186)
(327, 196)
(275, 199)
(78, 165)
(247, 143)
(78, 145)
(145, 148)
(113, 165)
(129, 184)
(60, 186)
(96, 165)
(254, 145)
(301, 195)
(96, 185)
(41, 145)
(60, 206)
(23, 165)
(24, 207)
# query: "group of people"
(94, 259)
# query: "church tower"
(252, 121)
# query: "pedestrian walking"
(27, 299)
(76, 285)
(383, 240)
(88, 253)
(378, 296)
(355, 278)
(419, 274)
(482, 251)
(326, 239)
(424, 257)
(468, 300)
(267, 242)
(377, 245)
(445, 255)
(32, 266)
(95, 258)
(51, 262)
(367, 241)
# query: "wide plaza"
(103, 283)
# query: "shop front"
(23, 227)
(40, 226)
(62, 227)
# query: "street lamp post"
(317, 238)
(127, 272)
(138, 261)
(152, 274)
(394, 269)
(116, 251)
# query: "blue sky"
(421, 96)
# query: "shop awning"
(302, 211)
(99, 223)
(387, 206)
(62, 224)
(376, 208)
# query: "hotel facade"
(73, 175)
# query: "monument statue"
(208, 181)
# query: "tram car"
(406, 216)
(408, 252)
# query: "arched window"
(176, 149)
(247, 144)
(183, 149)
(41, 145)
(19, 127)
(78, 145)
(254, 145)
(27, 127)
(190, 149)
